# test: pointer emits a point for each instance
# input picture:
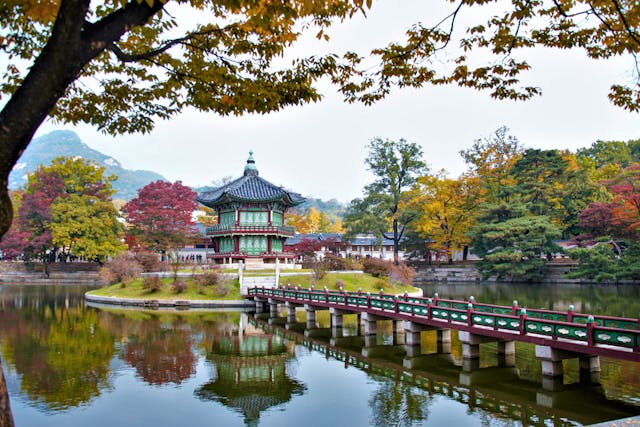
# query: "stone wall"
(556, 273)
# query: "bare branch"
(124, 57)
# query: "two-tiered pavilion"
(250, 219)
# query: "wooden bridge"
(557, 335)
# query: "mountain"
(44, 149)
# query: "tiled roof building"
(250, 219)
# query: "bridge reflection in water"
(496, 389)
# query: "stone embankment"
(467, 272)
(30, 273)
(176, 303)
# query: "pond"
(70, 364)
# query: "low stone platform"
(178, 303)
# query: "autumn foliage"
(160, 217)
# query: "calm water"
(71, 365)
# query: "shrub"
(319, 270)
(208, 278)
(377, 267)
(222, 288)
(402, 273)
(122, 268)
(336, 263)
(149, 261)
(152, 283)
(179, 286)
(340, 284)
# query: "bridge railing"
(592, 330)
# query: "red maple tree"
(160, 217)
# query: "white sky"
(319, 149)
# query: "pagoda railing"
(218, 255)
(250, 229)
(607, 335)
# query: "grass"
(192, 292)
(351, 283)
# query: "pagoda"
(250, 219)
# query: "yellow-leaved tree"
(446, 210)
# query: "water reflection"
(160, 355)
(67, 365)
(405, 396)
(250, 372)
(61, 352)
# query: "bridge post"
(370, 324)
(336, 321)
(311, 316)
(291, 312)
(552, 371)
(589, 369)
(260, 302)
(443, 339)
(397, 337)
(273, 307)
(506, 353)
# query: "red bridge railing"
(607, 335)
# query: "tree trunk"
(6, 418)
(396, 241)
(72, 45)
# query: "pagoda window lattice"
(276, 245)
(254, 218)
(276, 219)
(226, 245)
(253, 245)
(228, 218)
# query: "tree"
(313, 221)
(160, 217)
(486, 55)
(120, 65)
(490, 160)
(514, 248)
(447, 209)
(86, 226)
(77, 187)
(396, 165)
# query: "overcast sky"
(319, 149)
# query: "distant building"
(250, 225)
(362, 246)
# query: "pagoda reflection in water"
(251, 372)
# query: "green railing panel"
(583, 319)
(423, 311)
(572, 332)
(541, 328)
(443, 304)
(620, 324)
(440, 313)
(456, 316)
(507, 323)
(482, 319)
(623, 339)
(405, 308)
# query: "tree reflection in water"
(398, 404)
(61, 351)
(161, 355)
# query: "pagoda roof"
(249, 188)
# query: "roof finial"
(250, 167)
